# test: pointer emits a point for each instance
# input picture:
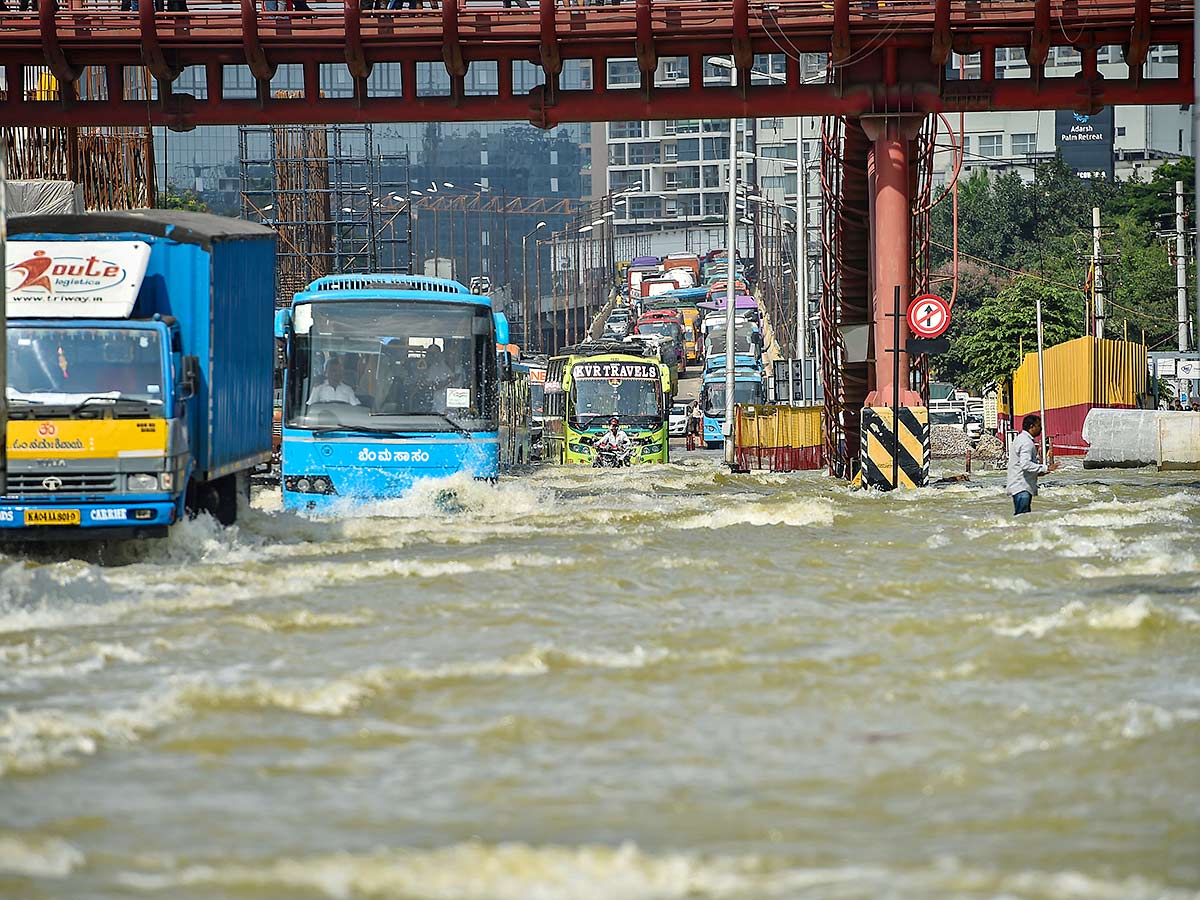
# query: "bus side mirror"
(499, 324)
(283, 322)
(189, 378)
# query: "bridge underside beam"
(360, 40)
(186, 111)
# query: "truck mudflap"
(86, 521)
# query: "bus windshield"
(741, 340)
(392, 365)
(537, 397)
(69, 365)
(743, 392)
(666, 329)
(635, 401)
(945, 417)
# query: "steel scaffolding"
(337, 206)
(114, 165)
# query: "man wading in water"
(1025, 465)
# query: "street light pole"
(525, 286)
(730, 293)
(802, 267)
(537, 252)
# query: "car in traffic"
(677, 422)
(617, 323)
(947, 416)
(957, 415)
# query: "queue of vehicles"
(690, 310)
(142, 376)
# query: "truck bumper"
(121, 519)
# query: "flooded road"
(655, 683)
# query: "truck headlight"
(167, 481)
(142, 482)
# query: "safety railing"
(763, 13)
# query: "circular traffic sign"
(928, 316)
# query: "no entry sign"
(928, 316)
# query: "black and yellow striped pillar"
(895, 449)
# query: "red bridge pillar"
(891, 138)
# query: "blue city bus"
(516, 412)
(747, 388)
(389, 379)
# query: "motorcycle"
(607, 458)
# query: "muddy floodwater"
(665, 682)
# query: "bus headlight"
(581, 449)
(651, 449)
(309, 484)
(141, 483)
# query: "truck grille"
(24, 483)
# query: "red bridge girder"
(890, 57)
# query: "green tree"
(976, 282)
(1043, 226)
(993, 337)
(181, 198)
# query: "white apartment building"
(1143, 137)
(674, 171)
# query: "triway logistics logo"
(70, 274)
(61, 278)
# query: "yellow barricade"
(1081, 374)
(778, 438)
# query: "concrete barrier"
(1131, 438)
(1179, 440)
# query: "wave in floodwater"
(519, 872)
(649, 683)
(37, 857)
(37, 740)
(1136, 614)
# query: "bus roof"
(740, 373)
(401, 287)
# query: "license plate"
(51, 517)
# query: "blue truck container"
(103, 442)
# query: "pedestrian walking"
(1025, 464)
(693, 423)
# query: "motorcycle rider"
(615, 439)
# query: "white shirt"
(325, 393)
(618, 441)
(1024, 466)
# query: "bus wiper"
(587, 423)
(445, 418)
(351, 429)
